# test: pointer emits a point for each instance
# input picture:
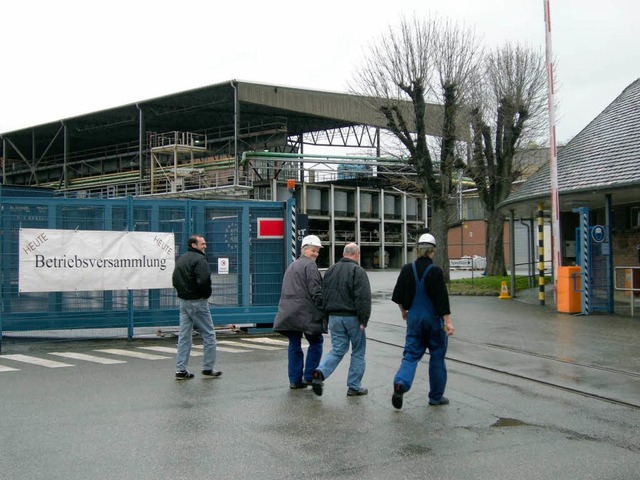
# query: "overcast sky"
(64, 58)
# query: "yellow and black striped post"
(541, 253)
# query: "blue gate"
(248, 294)
(593, 252)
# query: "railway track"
(632, 376)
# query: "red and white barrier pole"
(553, 154)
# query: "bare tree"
(414, 63)
(508, 112)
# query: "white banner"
(82, 260)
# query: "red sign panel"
(270, 228)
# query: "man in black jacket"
(346, 296)
(192, 281)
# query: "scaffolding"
(176, 147)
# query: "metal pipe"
(512, 252)
(65, 156)
(307, 156)
(141, 135)
(332, 225)
(382, 228)
(358, 217)
(4, 164)
(234, 85)
(608, 223)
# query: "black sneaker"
(316, 383)
(396, 398)
(184, 375)
(352, 392)
(442, 401)
(297, 386)
(211, 374)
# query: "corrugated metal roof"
(211, 107)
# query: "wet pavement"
(597, 354)
(534, 395)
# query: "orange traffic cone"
(504, 292)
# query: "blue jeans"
(298, 368)
(344, 330)
(424, 331)
(196, 313)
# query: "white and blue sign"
(598, 233)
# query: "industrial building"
(236, 140)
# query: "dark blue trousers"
(298, 368)
(425, 330)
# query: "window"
(635, 217)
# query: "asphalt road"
(132, 420)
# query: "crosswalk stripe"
(246, 345)
(8, 369)
(36, 361)
(87, 358)
(172, 350)
(230, 350)
(233, 344)
(270, 341)
(223, 349)
(132, 353)
(238, 345)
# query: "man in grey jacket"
(300, 313)
(347, 300)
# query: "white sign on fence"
(223, 266)
(460, 263)
(469, 263)
(83, 260)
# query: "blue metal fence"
(248, 294)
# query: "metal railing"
(630, 284)
(176, 138)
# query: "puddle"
(508, 422)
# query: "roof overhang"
(568, 201)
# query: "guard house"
(599, 200)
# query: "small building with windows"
(598, 175)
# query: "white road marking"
(245, 345)
(223, 349)
(36, 361)
(270, 341)
(172, 350)
(87, 358)
(132, 353)
(230, 350)
(240, 345)
(8, 369)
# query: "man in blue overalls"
(422, 296)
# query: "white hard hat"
(311, 240)
(427, 238)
